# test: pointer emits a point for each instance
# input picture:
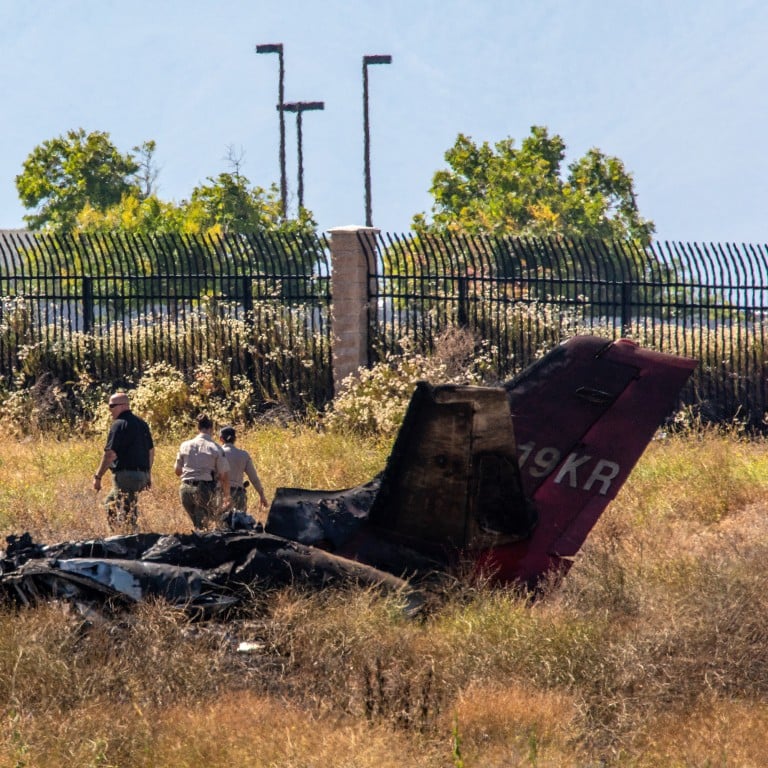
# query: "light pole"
(278, 49)
(299, 107)
(378, 59)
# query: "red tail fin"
(582, 417)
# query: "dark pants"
(239, 497)
(199, 502)
(122, 501)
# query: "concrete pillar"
(349, 289)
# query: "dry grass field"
(653, 651)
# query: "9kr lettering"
(577, 471)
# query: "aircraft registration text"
(577, 470)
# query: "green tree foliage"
(63, 175)
(132, 215)
(503, 190)
(224, 219)
(81, 182)
(225, 205)
(229, 205)
(104, 218)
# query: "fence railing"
(113, 306)
(521, 296)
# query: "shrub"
(373, 401)
(161, 396)
(224, 397)
(52, 407)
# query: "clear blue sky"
(678, 89)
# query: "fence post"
(88, 312)
(626, 308)
(463, 310)
(349, 291)
(246, 290)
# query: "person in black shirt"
(129, 454)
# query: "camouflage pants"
(200, 503)
(122, 501)
(239, 498)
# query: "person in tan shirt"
(201, 465)
(240, 465)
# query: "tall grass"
(45, 484)
(652, 651)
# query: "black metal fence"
(521, 296)
(112, 306)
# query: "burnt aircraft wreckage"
(509, 480)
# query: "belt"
(198, 482)
(131, 469)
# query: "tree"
(228, 205)
(147, 173)
(133, 215)
(227, 219)
(81, 184)
(64, 175)
(503, 190)
(225, 205)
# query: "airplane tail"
(582, 417)
(512, 477)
